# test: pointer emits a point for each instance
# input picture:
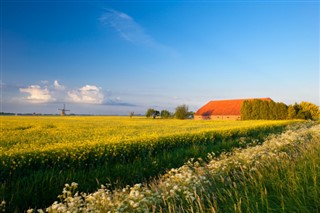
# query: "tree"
(182, 112)
(255, 109)
(303, 115)
(131, 114)
(191, 114)
(165, 114)
(262, 109)
(272, 110)
(155, 114)
(311, 111)
(282, 111)
(246, 110)
(150, 112)
(291, 112)
(300, 113)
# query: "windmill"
(64, 110)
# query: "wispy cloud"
(126, 27)
(131, 31)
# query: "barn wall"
(218, 117)
(200, 117)
(225, 117)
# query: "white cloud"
(56, 92)
(38, 94)
(89, 94)
(58, 86)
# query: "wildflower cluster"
(187, 183)
(276, 146)
(129, 199)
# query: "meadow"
(38, 155)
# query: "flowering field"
(77, 141)
(280, 175)
(39, 154)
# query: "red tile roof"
(224, 107)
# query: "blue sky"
(115, 57)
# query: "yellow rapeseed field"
(22, 134)
(77, 141)
(121, 149)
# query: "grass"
(280, 179)
(286, 182)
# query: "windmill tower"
(64, 110)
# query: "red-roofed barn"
(222, 110)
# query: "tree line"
(269, 110)
(181, 112)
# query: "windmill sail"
(64, 110)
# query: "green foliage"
(258, 109)
(282, 111)
(165, 114)
(182, 112)
(304, 110)
(269, 110)
(191, 114)
(246, 110)
(312, 111)
(150, 112)
(156, 114)
(291, 112)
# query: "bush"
(165, 114)
(182, 112)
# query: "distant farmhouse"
(222, 110)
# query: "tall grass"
(284, 182)
(281, 175)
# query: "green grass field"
(38, 155)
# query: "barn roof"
(224, 107)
